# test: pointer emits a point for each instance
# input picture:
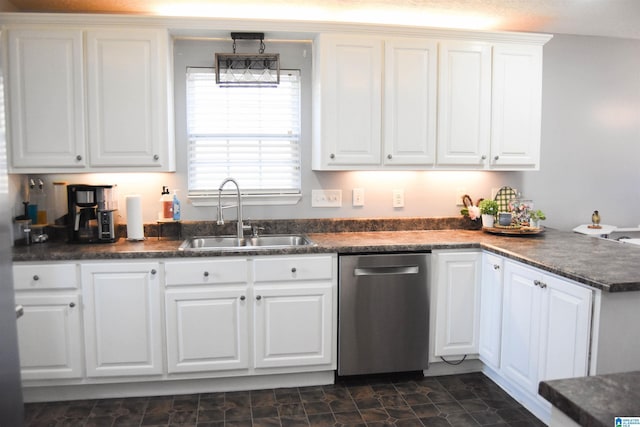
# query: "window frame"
(209, 197)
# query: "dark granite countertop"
(602, 264)
(595, 401)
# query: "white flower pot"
(534, 223)
(487, 220)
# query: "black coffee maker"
(91, 215)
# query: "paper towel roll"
(135, 229)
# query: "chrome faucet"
(240, 226)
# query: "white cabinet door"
(127, 93)
(123, 326)
(49, 336)
(565, 329)
(457, 303)
(521, 325)
(348, 101)
(46, 99)
(293, 325)
(207, 329)
(464, 104)
(491, 310)
(516, 106)
(410, 102)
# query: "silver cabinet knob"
(153, 271)
(78, 157)
(242, 298)
(72, 304)
(293, 269)
(156, 157)
(543, 285)
(496, 157)
(483, 157)
(496, 267)
(332, 156)
(389, 156)
(258, 297)
(36, 277)
(206, 274)
(536, 282)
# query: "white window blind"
(251, 134)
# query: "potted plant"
(488, 210)
(535, 217)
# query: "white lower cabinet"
(293, 325)
(456, 302)
(122, 318)
(491, 288)
(206, 330)
(49, 332)
(295, 311)
(546, 327)
(250, 314)
(207, 315)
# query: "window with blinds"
(251, 134)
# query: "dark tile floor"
(457, 400)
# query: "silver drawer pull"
(259, 297)
(385, 271)
(36, 277)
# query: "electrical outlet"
(326, 198)
(398, 198)
(358, 197)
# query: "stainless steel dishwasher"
(383, 315)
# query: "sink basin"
(215, 243)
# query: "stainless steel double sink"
(269, 241)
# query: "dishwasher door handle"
(385, 271)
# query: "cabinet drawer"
(278, 269)
(206, 272)
(45, 276)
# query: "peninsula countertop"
(597, 400)
(603, 264)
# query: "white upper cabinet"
(438, 102)
(127, 98)
(45, 86)
(464, 103)
(123, 122)
(410, 102)
(516, 107)
(348, 101)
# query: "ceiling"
(611, 18)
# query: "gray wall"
(590, 150)
(590, 132)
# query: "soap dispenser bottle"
(166, 204)
(176, 206)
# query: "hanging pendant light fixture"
(246, 69)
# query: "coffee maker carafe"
(92, 216)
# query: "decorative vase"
(487, 220)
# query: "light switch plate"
(326, 198)
(358, 197)
(398, 198)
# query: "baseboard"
(175, 387)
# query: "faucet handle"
(255, 230)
